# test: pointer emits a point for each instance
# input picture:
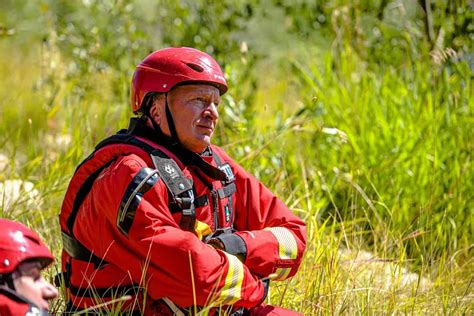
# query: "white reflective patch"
(287, 246)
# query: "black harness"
(180, 189)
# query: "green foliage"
(358, 114)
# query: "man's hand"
(216, 243)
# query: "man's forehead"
(197, 89)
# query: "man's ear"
(155, 111)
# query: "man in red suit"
(159, 213)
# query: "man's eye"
(35, 275)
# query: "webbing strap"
(81, 195)
(79, 252)
(227, 191)
(229, 187)
(169, 118)
(181, 188)
(170, 173)
(201, 201)
(122, 138)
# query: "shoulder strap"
(180, 187)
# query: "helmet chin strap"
(7, 280)
(169, 118)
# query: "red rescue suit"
(127, 221)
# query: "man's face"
(29, 283)
(194, 110)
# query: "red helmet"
(165, 68)
(19, 243)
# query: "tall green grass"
(371, 144)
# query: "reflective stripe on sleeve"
(232, 290)
(287, 247)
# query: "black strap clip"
(188, 212)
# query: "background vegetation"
(358, 114)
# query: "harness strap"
(71, 245)
(81, 195)
(123, 138)
(201, 201)
(170, 173)
(79, 252)
(227, 191)
(181, 188)
(229, 187)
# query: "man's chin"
(199, 145)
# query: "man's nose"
(211, 112)
(49, 291)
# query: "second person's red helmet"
(164, 69)
(18, 243)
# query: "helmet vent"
(195, 67)
(36, 241)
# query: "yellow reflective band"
(287, 247)
(282, 273)
(202, 229)
(232, 290)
